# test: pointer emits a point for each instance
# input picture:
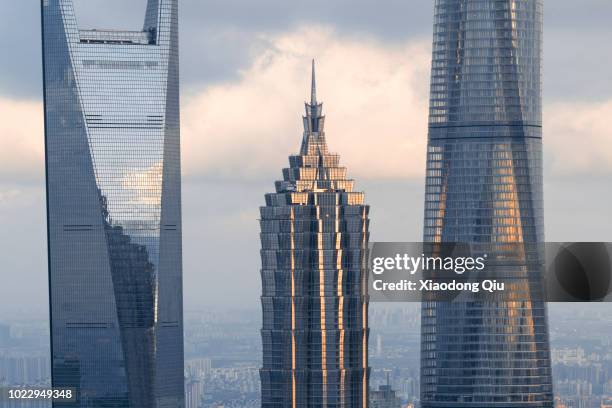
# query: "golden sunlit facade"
(314, 237)
(484, 188)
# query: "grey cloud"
(584, 15)
(20, 65)
(219, 38)
(577, 64)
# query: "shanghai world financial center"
(114, 222)
(113, 197)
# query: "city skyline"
(112, 144)
(380, 92)
(314, 240)
(223, 351)
(244, 56)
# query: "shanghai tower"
(113, 208)
(484, 188)
(314, 236)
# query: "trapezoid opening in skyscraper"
(114, 208)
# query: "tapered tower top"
(313, 86)
(314, 136)
(314, 169)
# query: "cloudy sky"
(245, 75)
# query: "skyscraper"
(113, 208)
(314, 236)
(484, 187)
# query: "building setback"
(314, 237)
(113, 204)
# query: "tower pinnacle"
(314, 120)
(313, 86)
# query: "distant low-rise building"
(384, 397)
(194, 391)
(5, 335)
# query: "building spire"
(313, 86)
(313, 121)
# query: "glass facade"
(484, 187)
(113, 203)
(314, 236)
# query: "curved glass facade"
(113, 199)
(484, 187)
(314, 236)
